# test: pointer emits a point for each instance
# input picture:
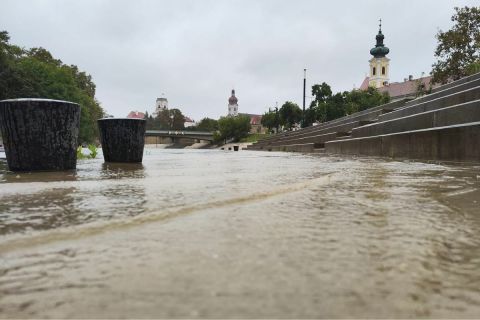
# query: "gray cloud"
(196, 51)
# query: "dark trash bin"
(235, 148)
(122, 139)
(40, 134)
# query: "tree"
(177, 119)
(290, 114)
(270, 120)
(328, 106)
(321, 92)
(458, 49)
(35, 73)
(168, 119)
(207, 124)
(320, 108)
(234, 128)
(310, 115)
(359, 100)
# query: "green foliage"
(422, 89)
(473, 68)
(170, 119)
(234, 128)
(270, 120)
(92, 155)
(93, 151)
(321, 92)
(458, 49)
(217, 137)
(207, 124)
(289, 114)
(34, 73)
(328, 106)
(359, 100)
(254, 137)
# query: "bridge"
(196, 135)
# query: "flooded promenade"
(208, 233)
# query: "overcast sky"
(196, 51)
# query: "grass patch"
(254, 137)
(91, 148)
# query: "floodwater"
(207, 233)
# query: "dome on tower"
(232, 99)
(379, 50)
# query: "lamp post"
(277, 120)
(304, 86)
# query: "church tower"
(379, 64)
(233, 105)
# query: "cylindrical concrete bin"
(122, 139)
(40, 134)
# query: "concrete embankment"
(444, 125)
(235, 146)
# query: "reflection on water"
(49, 200)
(214, 234)
(123, 170)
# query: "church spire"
(379, 50)
(233, 104)
(379, 64)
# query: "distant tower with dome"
(379, 64)
(233, 105)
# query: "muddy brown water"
(207, 233)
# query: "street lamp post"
(276, 118)
(304, 86)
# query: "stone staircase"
(444, 125)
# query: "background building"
(233, 105)
(160, 105)
(379, 64)
(255, 119)
(136, 115)
(189, 123)
(379, 75)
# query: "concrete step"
(435, 104)
(340, 129)
(305, 147)
(460, 143)
(318, 150)
(446, 91)
(457, 114)
(368, 114)
(344, 137)
(314, 138)
(458, 82)
(365, 115)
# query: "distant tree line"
(324, 107)
(35, 73)
(168, 119)
(232, 128)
